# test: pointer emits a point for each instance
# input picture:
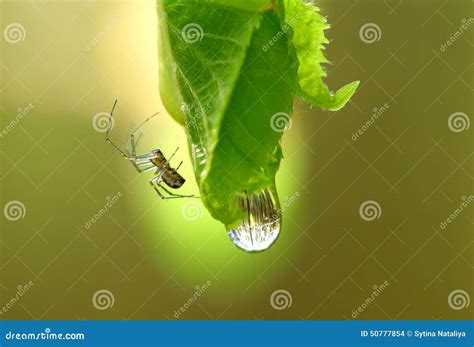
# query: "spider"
(154, 160)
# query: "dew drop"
(260, 226)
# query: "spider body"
(154, 160)
(170, 176)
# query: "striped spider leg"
(154, 160)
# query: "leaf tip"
(343, 95)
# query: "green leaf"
(306, 28)
(169, 90)
(231, 69)
(248, 153)
(231, 89)
(247, 5)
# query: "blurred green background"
(66, 62)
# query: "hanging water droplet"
(260, 226)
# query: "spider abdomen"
(172, 178)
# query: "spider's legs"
(141, 168)
(155, 188)
(125, 155)
(174, 195)
(107, 137)
(172, 155)
(133, 142)
(156, 185)
(153, 184)
(142, 162)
